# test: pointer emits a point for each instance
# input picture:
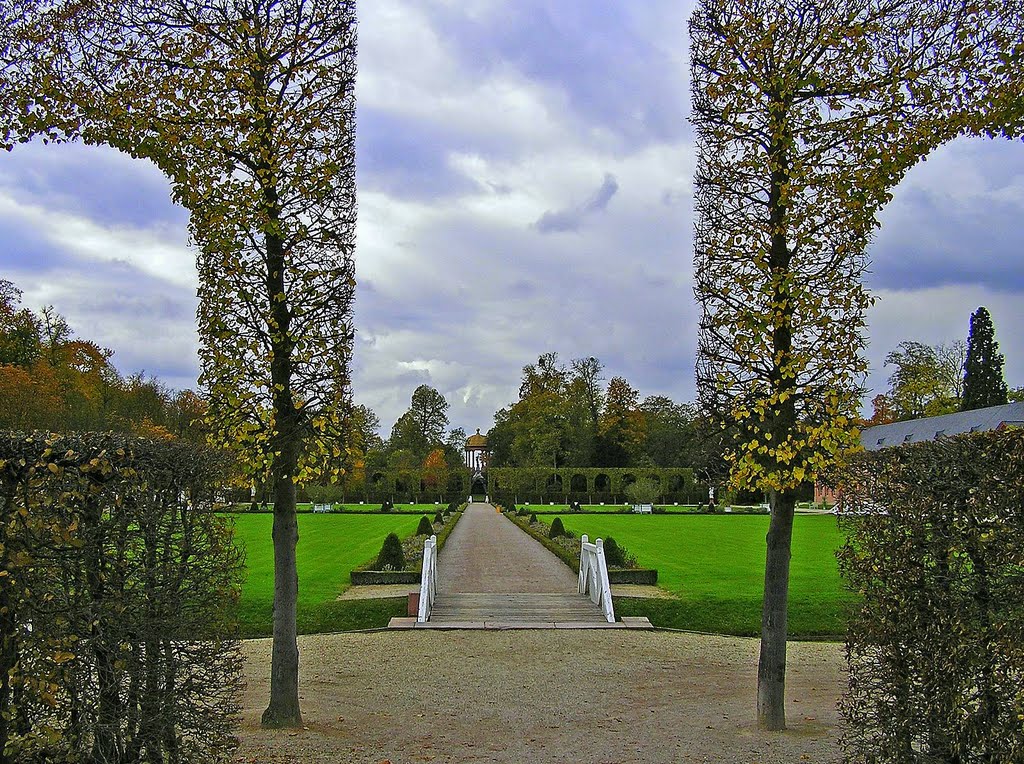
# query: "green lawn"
(715, 563)
(329, 547)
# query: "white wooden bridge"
(491, 575)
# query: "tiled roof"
(930, 428)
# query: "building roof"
(476, 441)
(934, 427)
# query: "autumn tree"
(435, 471)
(806, 115)
(983, 383)
(248, 108)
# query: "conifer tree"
(983, 371)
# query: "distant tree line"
(52, 380)
(566, 416)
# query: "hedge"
(589, 485)
(936, 644)
(117, 586)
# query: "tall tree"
(806, 115)
(423, 426)
(621, 427)
(983, 369)
(20, 329)
(926, 380)
(249, 109)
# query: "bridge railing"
(428, 579)
(593, 579)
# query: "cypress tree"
(983, 370)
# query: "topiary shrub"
(391, 556)
(533, 517)
(614, 554)
(424, 528)
(387, 506)
(557, 529)
(438, 517)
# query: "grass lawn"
(329, 547)
(715, 563)
(607, 509)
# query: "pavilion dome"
(476, 441)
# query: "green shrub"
(391, 556)
(557, 529)
(438, 517)
(138, 520)
(387, 506)
(643, 491)
(614, 554)
(424, 528)
(934, 540)
(533, 516)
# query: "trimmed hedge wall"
(592, 485)
(936, 644)
(116, 601)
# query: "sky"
(525, 185)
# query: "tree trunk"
(771, 667)
(286, 445)
(283, 710)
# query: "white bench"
(322, 508)
(643, 509)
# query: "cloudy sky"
(525, 175)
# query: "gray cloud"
(468, 152)
(572, 218)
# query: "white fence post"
(593, 578)
(428, 579)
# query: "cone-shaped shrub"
(438, 517)
(533, 517)
(557, 529)
(424, 528)
(614, 554)
(391, 556)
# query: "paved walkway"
(476, 558)
(491, 575)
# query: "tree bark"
(771, 666)
(283, 710)
(286, 445)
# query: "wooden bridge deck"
(492, 575)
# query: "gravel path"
(476, 558)
(541, 696)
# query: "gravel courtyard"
(541, 696)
